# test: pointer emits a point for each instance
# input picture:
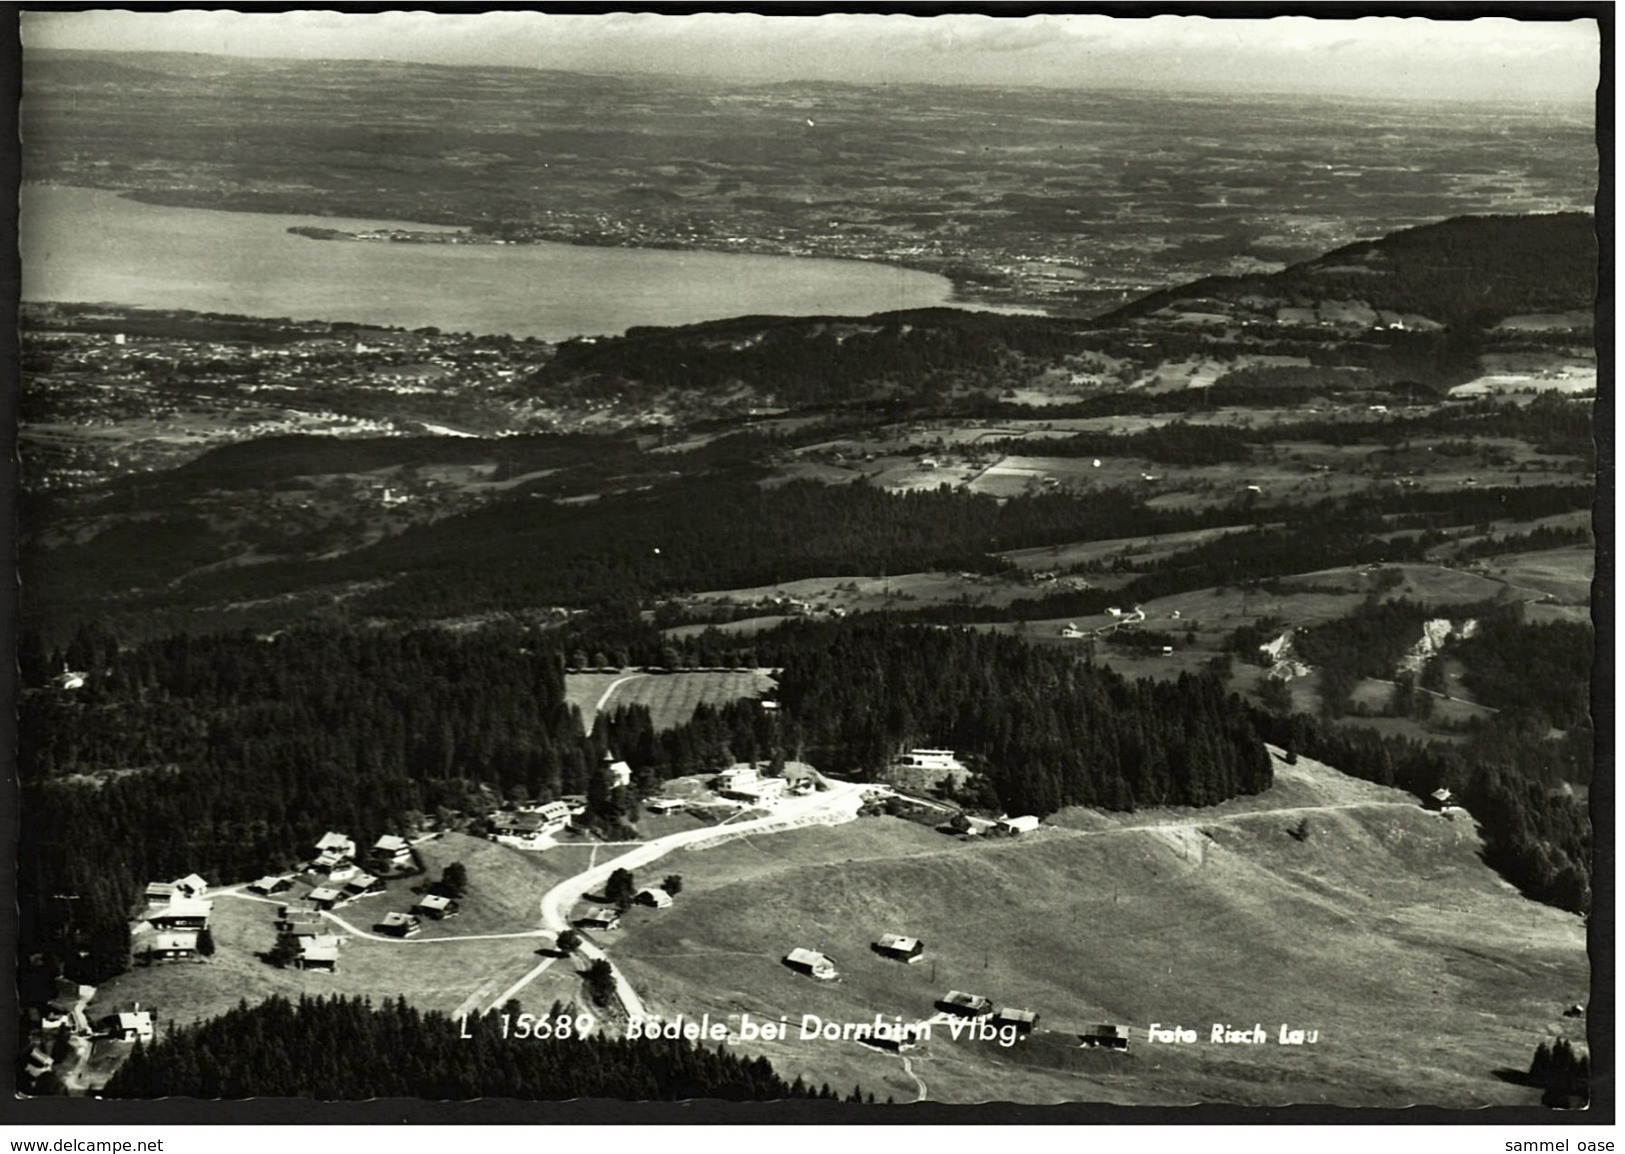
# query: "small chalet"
(324, 897)
(1014, 825)
(337, 844)
(361, 885)
(159, 893)
(192, 886)
(1023, 1020)
(320, 953)
(130, 1025)
(272, 884)
(619, 772)
(436, 906)
(811, 963)
(600, 917)
(182, 914)
(177, 946)
(966, 1005)
(1441, 799)
(1106, 1036)
(304, 925)
(400, 925)
(660, 806)
(899, 948)
(657, 898)
(343, 872)
(392, 853)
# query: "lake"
(96, 246)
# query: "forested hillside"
(342, 1048)
(230, 755)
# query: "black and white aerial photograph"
(895, 564)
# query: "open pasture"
(1189, 917)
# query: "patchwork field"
(1423, 973)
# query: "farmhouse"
(361, 885)
(272, 884)
(1070, 629)
(399, 925)
(192, 886)
(177, 946)
(967, 1005)
(321, 953)
(900, 948)
(392, 853)
(1106, 1036)
(183, 914)
(324, 897)
(343, 872)
(657, 898)
(600, 917)
(1014, 825)
(436, 906)
(129, 1025)
(1023, 1020)
(810, 962)
(158, 893)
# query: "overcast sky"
(1402, 57)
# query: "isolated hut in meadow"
(900, 948)
(966, 1005)
(1106, 1036)
(810, 962)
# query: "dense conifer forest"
(349, 1049)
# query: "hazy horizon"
(1492, 59)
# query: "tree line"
(349, 1049)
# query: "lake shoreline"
(968, 291)
(88, 244)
